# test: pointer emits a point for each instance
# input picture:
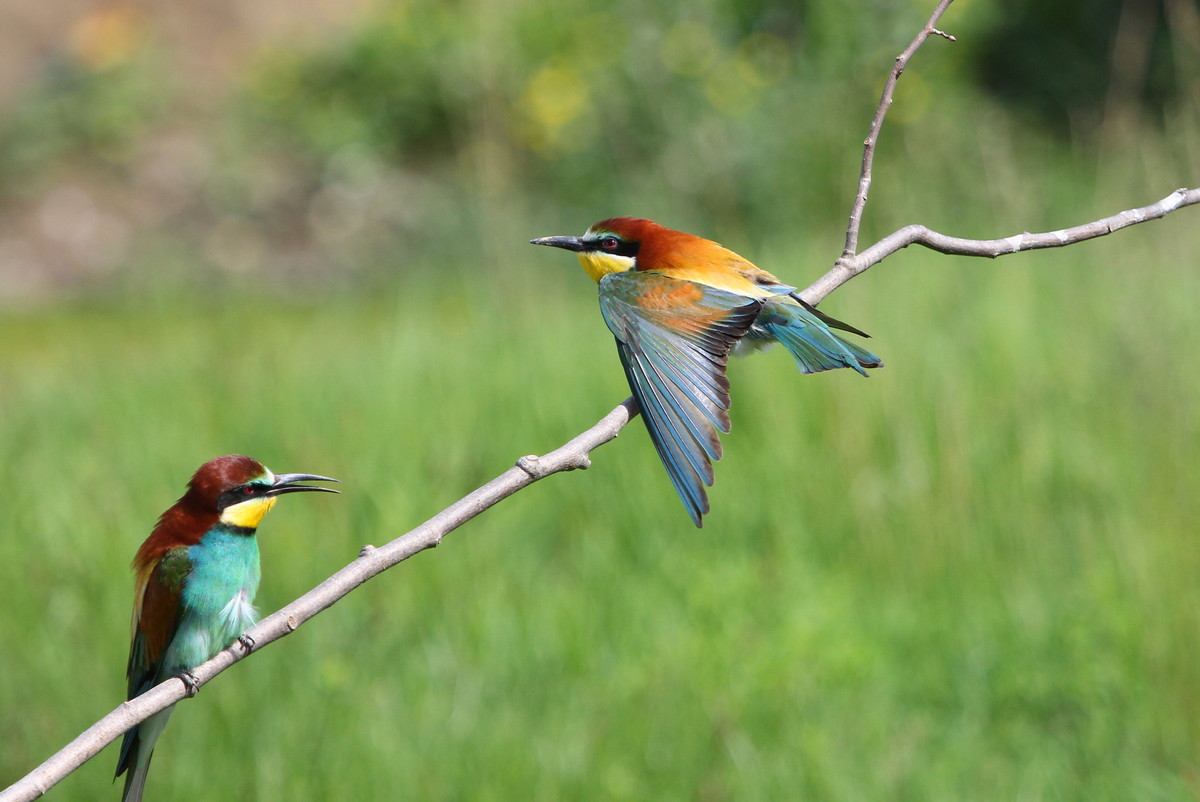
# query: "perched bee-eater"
(197, 574)
(678, 305)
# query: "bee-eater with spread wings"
(679, 305)
(197, 574)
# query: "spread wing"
(674, 337)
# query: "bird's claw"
(190, 683)
(247, 642)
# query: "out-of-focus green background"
(298, 231)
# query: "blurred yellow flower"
(107, 35)
(688, 49)
(554, 97)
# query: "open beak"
(286, 483)
(567, 243)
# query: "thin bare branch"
(371, 562)
(845, 269)
(885, 102)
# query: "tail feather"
(865, 358)
(135, 782)
(814, 346)
(831, 322)
(136, 751)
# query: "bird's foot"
(190, 683)
(247, 642)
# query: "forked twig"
(885, 103)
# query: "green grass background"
(972, 576)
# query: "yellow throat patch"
(598, 265)
(248, 514)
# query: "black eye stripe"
(236, 495)
(610, 243)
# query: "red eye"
(247, 491)
(609, 243)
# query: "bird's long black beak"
(286, 483)
(567, 243)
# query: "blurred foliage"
(94, 102)
(1067, 69)
(447, 125)
(580, 108)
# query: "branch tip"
(851, 265)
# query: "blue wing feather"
(674, 351)
(680, 416)
(674, 448)
(682, 369)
